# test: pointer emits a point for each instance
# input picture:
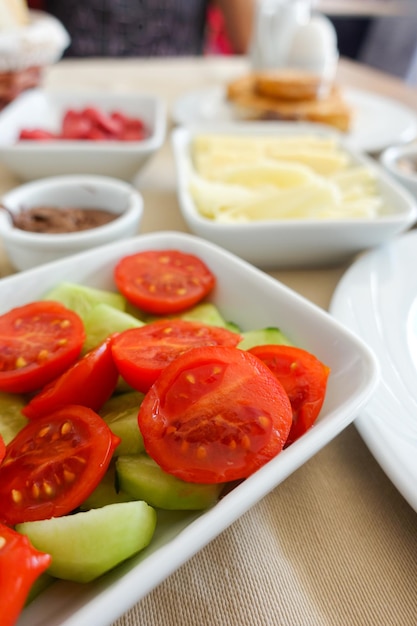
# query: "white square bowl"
(252, 299)
(38, 108)
(293, 242)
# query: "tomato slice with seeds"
(163, 282)
(214, 415)
(142, 353)
(91, 380)
(53, 464)
(304, 378)
(38, 341)
(20, 565)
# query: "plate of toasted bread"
(369, 121)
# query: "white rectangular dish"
(253, 300)
(280, 243)
(43, 109)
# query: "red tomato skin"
(2, 449)
(102, 121)
(20, 565)
(304, 378)
(47, 335)
(142, 353)
(214, 415)
(75, 126)
(53, 464)
(90, 382)
(163, 282)
(36, 134)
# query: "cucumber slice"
(85, 545)
(121, 415)
(11, 418)
(82, 299)
(106, 492)
(104, 320)
(206, 313)
(143, 479)
(262, 337)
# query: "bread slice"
(288, 85)
(244, 94)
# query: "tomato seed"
(35, 491)
(69, 477)
(264, 421)
(20, 362)
(245, 441)
(48, 489)
(66, 428)
(17, 496)
(201, 453)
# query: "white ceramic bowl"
(27, 249)
(36, 159)
(252, 300)
(296, 242)
(401, 163)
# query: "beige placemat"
(335, 544)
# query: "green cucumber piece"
(206, 313)
(106, 492)
(85, 545)
(104, 320)
(121, 415)
(82, 299)
(11, 418)
(262, 337)
(143, 479)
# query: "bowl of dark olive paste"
(50, 218)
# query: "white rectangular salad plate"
(38, 108)
(301, 242)
(253, 300)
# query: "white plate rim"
(386, 423)
(193, 101)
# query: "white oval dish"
(27, 249)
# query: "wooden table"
(335, 544)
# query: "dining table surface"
(336, 543)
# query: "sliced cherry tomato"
(2, 449)
(163, 281)
(53, 464)
(75, 126)
(38, 341)
(103, 121)
(142, 353)
(20, 565)
(36, 134)
(214, 415)
(90, 382)
(303, 377)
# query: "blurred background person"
(129, 28)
